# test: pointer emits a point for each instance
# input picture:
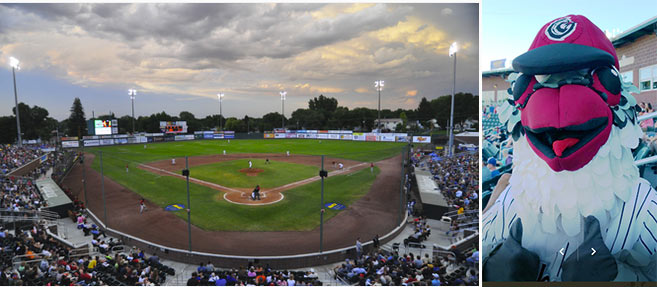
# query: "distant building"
(637, 56)
(494, 86)
(636, 49)
(390, 124)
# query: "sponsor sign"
(279, 136)
(175, 207)
(69, 144)
(346, 137)
(334, 136)
(387, 137)
(358, 136)
(322, 136)
(335, 206)
(269, 136)
(106, 141)
(422, 139)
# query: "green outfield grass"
(355, 150)
(275, 174)
(298, 211)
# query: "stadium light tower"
(133, 94)
(283, 94)
(452, 52)
(220, 96)
(14, 63)
(379, 87)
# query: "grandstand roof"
(646, 27)
(497, 72)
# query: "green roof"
(647, 27)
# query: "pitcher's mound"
(251, 171)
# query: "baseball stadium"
(312, 174)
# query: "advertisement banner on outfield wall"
(279, 136)
(218, 136)
(371, 137)
(311, 136)
(422, 139)
(334, 136)
(358, 136)
(322, 136)
(291, 135)
(91, 142)
(346, 137)
(106, 141)
(121, 141)
(208, 136)
(401, 138)
(142, 139)
(269, 136)
(69, 144)
(387, 137)
(229, 134)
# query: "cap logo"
(560, 29)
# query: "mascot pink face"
(569, 83)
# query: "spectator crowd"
(254, 275)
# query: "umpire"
(256, 192)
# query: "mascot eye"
(609, 79)
(520, 86)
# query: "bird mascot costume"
(575, 208)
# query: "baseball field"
(221, 186)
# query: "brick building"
(637, 54)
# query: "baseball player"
(250, 164)
(142, 206)
(288, 153)
(256, 192)
(224, 152)
(173, 161)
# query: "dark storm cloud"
(221, 31)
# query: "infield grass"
(277, 173)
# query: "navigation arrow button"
(561, 251)
(593, 251)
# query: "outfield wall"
(144, 138)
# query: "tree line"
(322, 113)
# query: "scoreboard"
(179, 127)
(103, 127)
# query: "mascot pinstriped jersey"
(575, 208)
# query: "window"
(648, 78)
(628, 76)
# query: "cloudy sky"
(179, 56)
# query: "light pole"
(14, 63)
(379, 86)
(283, 94)
(452, 52)
(133, 94)
(220, 96)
